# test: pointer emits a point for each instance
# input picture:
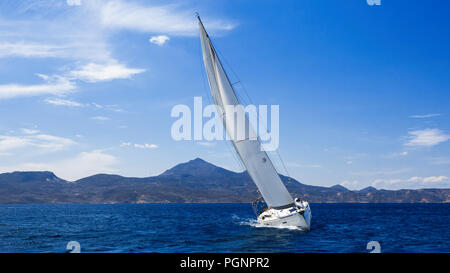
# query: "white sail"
(254, 158)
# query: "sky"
(87, 87)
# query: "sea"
(169, 228)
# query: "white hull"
(296, 216)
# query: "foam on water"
(254, 223)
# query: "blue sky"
(88, 86)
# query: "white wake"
(254, 223)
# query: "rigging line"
(235, 75)
(236, 157)
(251, 102)
(284, 165)
(222, 57)
(277, 150)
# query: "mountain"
(195, 181)
(368, 189)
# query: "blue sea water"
(221, 228)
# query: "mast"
(255, 159)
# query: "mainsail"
(254, 158)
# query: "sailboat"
(275, 207)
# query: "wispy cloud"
(93, 72)
(139, 146)
(100, 118)
(159, 40)
(31, 50)
(73, 2)
(32, 139)
(110, 107)
(54, 85)
(63, 102)
(350, 184)
(73, 168)
(426, 137)
(43, 29)
(433, 179)
(414, 182)
(154, 19)
(80, 31)
(72, 103)
(146, 146)
(12, 142)
(399, 154)
(29, 131)
(425, 116)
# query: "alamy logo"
(238, 120)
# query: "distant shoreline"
(212, 203)
(195, 181)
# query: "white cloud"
(414, 182)
(425, 116)
(100, 118)
(32, 139)
(414, 179)
(154, 19)
(63, 102)
(146, 146)
(427, 137)
(80, 166)
(159, 40)
(352, 185)
(43, 30)
(11, 142)
(29, 131)
(97, 105)
(48, 29)
(54, 85)
(93, 72)
(50, 142)
(432, 179)
(139, 146)
(113, 107)
(400, 154)
(30, 50)
(73, 2)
